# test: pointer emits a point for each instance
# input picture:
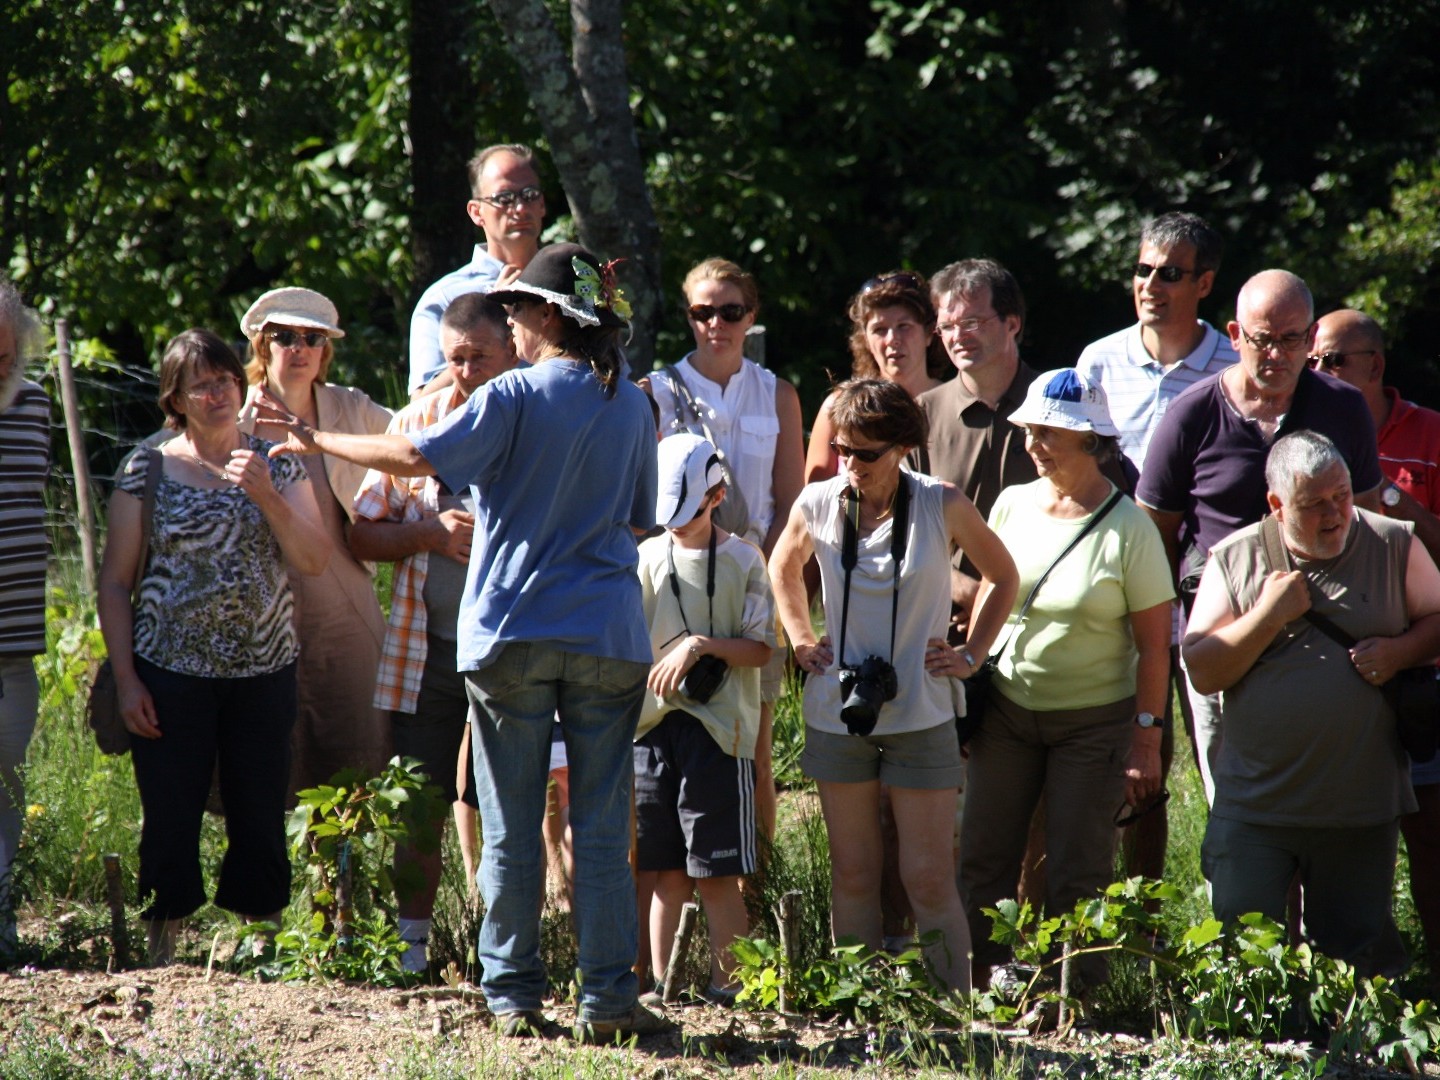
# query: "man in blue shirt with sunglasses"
(507, 204)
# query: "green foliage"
(353, 823)
(852, 982)
(312, 950)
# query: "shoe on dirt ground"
(522, 1024)
(639, 1021)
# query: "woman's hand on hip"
(815, 658)
(137, 709)
(942, 661)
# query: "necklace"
(206, 467)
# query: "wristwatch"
(1390, 496)
(1149, 720)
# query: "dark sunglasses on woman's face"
(291, 339)
(703, 313)
(869, 457)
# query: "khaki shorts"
(927, 759)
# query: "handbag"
(1412, 693)
(979, 684)
(733, 514)
(102, 708)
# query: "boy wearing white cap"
(712, 627)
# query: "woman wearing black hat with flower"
(561, 456)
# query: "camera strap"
(709, 581)
(850, 554)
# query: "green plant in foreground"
(345, 833)
(852, 981)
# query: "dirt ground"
(346, 1031)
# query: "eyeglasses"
(1284, 342)
(1334, 361)
(215, 388)
(869, 457)
(509, 197)
(291, 339)
(1127, 815)
(965, 326)
(900, 277)
(729, 312)
(1168, 274)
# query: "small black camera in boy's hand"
(863, 689)
(704, 678)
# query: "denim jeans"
(514, 702)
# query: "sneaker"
(653, 999)
(522, 1024)
(638, 1022)
(415, 959)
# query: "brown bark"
(583, 101)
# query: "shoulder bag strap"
(1108, 505)
(154, 470)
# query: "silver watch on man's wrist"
(1390, 496)
(1149, 720)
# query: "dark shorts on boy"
(433, 732)
(694, 803)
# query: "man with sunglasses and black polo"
(1143, 368)
(1351, 346)
(1204, 472)
(507, 204)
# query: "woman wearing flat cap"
(337, 618)
(561, 458)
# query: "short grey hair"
(1303, 453)
(1178, 227)
(22, 321)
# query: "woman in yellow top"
(1082, 680)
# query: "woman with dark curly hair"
(892, 337)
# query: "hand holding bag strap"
(1277, 558)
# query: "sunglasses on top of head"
(904, 278)
(731, 313)
(869, 457)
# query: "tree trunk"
(583, 101)
(442, 129)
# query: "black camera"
(863, 690)
(704, 678)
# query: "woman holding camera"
(880, 700)
(1081, 686)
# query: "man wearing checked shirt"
(1142, 369)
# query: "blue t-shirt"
(561, 474)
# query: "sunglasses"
(1168, 274)
(869, 457)
(902, 277)
(1334, 361)
(291, 339)
(731, 313)
(1127, 815)
(509, 197)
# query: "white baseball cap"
(689, 467)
